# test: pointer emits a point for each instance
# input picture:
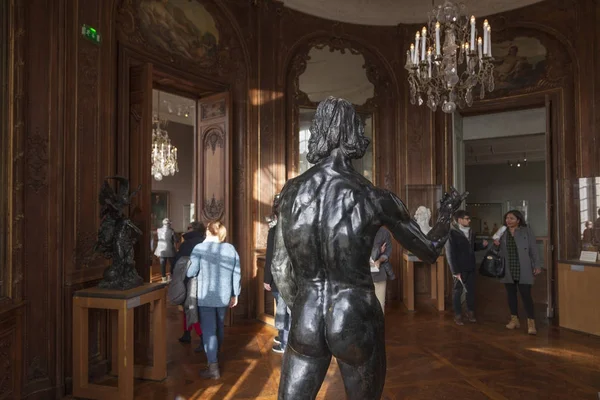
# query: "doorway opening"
(503, 160)
(173, 172)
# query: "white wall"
(500, 183)
(511, 123)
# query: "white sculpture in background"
(422, 216)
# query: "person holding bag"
(518, 249)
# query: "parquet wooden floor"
(428, 358)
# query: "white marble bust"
(422, 216)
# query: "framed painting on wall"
(160, 208)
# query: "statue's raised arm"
(395, 216)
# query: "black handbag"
(492, 264)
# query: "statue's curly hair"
(336, 125)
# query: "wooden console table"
(408, 281)
(121, 305)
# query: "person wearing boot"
(217, 266)
(519, 251)
(460, 252)
(194, 236)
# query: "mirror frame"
(296, 98)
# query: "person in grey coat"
(518, 249)
(165, 247)
(217, 266)
(381, 269)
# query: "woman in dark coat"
(519, 251)
(194, 236)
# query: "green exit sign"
(90, 33)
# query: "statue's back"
(329, 224)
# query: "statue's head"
(336, 125)
(422, 215)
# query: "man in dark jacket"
(282, 315)
(460, 252)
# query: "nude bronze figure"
(328, 218)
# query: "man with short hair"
(460, 252)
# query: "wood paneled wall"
(67, 138)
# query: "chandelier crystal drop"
(164, 154)
(449, 59)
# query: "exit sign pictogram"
(90, 33)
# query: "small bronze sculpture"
(116, 236)
(328, 218)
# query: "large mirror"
(4, 148)
(330, 70)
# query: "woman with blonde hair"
(217, 266)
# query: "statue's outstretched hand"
(451, 201)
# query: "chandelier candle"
(437, 39)
(485, 37)
(450, 67)
(472, 31)
(489, 36)
(417, 37)
(423, 44)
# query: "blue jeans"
(213, 323)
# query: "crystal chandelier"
(164, 154)
(447, 62)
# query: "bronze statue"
(328, 218)
(116, 236)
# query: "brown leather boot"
(514, 322)
(212, 372)
(531, 327)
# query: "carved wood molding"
(37, 160)
(18, 132)
(374, 71)
(213, 208)
(214, 137)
